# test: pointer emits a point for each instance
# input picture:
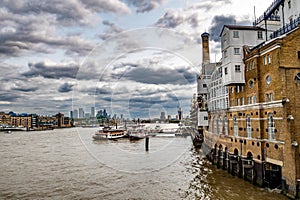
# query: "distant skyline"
(138, 58)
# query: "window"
(271, 97)
(204, 86)
(259, 35)
(248, 122)
(232, 89)
(226, 70)
(236, 51)
(249, 100)
(271, 127)
(251, 84)
(220, 125)
(237, 68)
(225, 53)
(205, 118)
(266, 97)
(269, 59)
(238, 102)
(242, 88)
(289, 4)
(235, 34)
(243, 101)
(265, 60)
(268, 79)
(237, 89)
(215, 125)
(252, 65)
(225, 125)
(254, 99)
(297, 77)
(235, 126)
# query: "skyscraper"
(162, 116)
(71, 114)
(75, 114)
(92, 112)
(81, 113)
(179, 113)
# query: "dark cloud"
(103, 91)
(161, 76)
(144, 5)
(190, 15)
(219, 21)
(66, 87)
(26, 89)
(65, 12)
(171, 19)
(52, 71)
(9, 96)
(113, 6)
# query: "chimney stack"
(205, 48)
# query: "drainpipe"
(266, 26)
(282, 8)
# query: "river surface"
(68, 164)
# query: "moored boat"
(137, 135)
(109, 134)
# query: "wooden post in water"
(147, 143)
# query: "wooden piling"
(147, 143)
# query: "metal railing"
(268, 13)
(287, 28)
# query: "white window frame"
(271, 127)
(236, 51)
(235, 126)
(237, 68)
(220, 125)
(225, 125)
(235, 34)
(248, 124)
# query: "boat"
(137, 134)
(156, 130)
(109, 134)
(197, 140)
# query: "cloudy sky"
(135, 57)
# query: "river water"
(68, 164)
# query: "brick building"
(257, 136)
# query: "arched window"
(248, 122)
(271, 127)
(220, 125)
(266, 97)
(225, 125)
(235, 126)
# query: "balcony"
(287, 28)
(268, 14)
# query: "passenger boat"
(109, 134)
(137, 134)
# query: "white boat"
(166, 134)
(137, 134)
(109, 134)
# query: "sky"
(132, 57)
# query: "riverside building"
(253, 100)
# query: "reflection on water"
(61, 165)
